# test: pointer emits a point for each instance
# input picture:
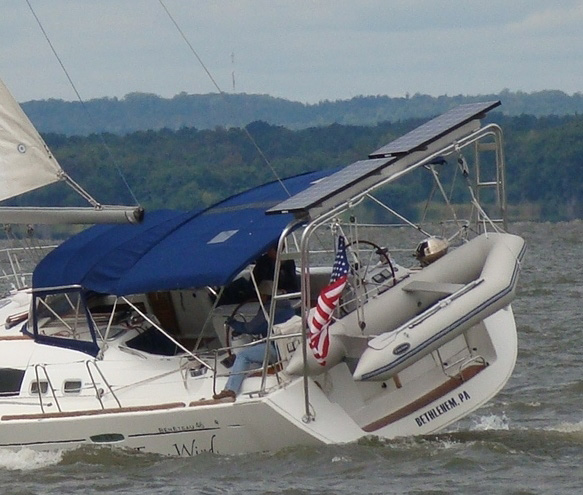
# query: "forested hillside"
(139, 111)
(191, 168)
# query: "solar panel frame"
(359, 171)
(435, 128)
(331, 185)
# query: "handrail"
(99, 394)
(276, 297)
(49, 384)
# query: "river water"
(528, 440)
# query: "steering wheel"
(361, 262)
(360, 268)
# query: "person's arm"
(257, 326)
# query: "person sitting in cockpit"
(253, 355)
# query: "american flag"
(327, 302)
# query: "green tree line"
(139, 111)
(192, 168)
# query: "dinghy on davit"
(398, 320)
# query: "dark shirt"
(258, 325)
(265, 270)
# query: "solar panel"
(358, 172)
(331, 185)
(435, 128)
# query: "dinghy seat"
(435, 287)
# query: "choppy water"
(528, 440)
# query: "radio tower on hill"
(233, 71)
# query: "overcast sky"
(301, 50)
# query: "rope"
(92, 120)
(223, 94)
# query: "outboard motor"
(431, 249)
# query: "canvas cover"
(171, 249)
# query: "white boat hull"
(341, 409)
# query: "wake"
(28, 460)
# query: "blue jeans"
(250, 357)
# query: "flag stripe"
(319, 338)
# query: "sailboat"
(400, 327)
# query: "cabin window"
(72, 387)
(63, 315)
(64, 311)
(10, 381)
(40, 385)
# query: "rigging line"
(223, 94)
(110, 154)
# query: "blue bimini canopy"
(173, 250)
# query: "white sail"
(26, 162)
